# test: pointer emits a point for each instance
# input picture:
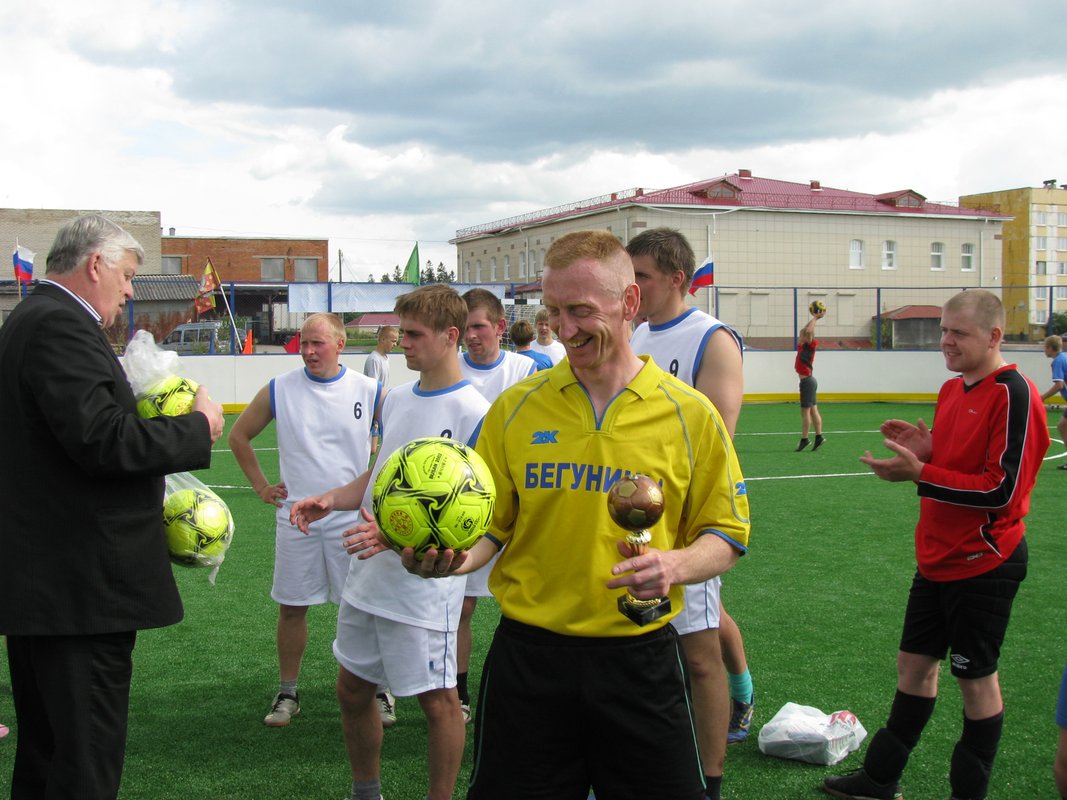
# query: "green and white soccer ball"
(170, 397)
(817, 307)
(433, 492)
(199, 527)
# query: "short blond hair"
(1054, 343)
(436, 305)
(986, 307)
(600, 246)
(331, 321)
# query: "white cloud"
(380, 126)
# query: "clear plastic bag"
(147, 364)
(153, 376)
(807, 734)
(198, 523)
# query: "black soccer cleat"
(819, 439)
(803, 443)
(858, 786)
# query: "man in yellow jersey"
(556, 443)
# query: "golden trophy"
(636, 504)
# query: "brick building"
(241, 260)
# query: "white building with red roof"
(776, 246)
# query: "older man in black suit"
(84, 561)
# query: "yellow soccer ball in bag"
(171, 397)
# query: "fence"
(768, 317)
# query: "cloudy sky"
(377, 125)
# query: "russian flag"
(704, 276)
(23, 260)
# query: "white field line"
(1050, 457)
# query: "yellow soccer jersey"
(554, 463)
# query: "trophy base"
(648, 611)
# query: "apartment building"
(1034, 260)
(776, 246)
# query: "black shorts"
(808, 387)
(966, 618)
(560, 714)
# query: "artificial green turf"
(819, 599)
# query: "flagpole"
(226, 300)
(709, 301)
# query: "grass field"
(819, 599)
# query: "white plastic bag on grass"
(807, 734)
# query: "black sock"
(888, 752)
(909, 716)
(714, 785)
(972, 759)
(461, 687)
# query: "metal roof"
(912, 312)
(742, 190)
(165, 287)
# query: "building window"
(306, 270)
(855, 254)
(1039, 218)
(272, 269)
(1041, 243)
(492, 268)
(1061, 218)
(1040, 268)
(889, 254)
(522, 265)
(478, 271)
(1040, 316)
(937, 255)
(507, 268)
(967, 257)
(1061, 268)
(1061, 243)
(1061, 292)
(172, 265)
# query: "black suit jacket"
(82, 549)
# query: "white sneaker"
(465, 710)
(283, 709)
(386, 708)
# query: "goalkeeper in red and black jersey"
(974, 471)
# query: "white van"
(194, 337)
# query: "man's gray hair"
(85, 235)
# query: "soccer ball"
(433, 492)
(817, 307)
(199, 527)
(170, 397)
(635, 502)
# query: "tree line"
(430, 274)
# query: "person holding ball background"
(85, 563)
(804, 366)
